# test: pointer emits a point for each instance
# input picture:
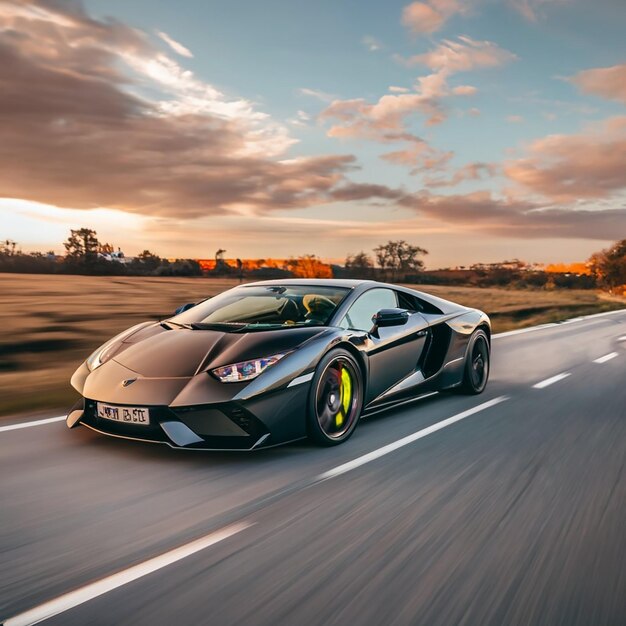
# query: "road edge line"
(404, 441)
(520, 331)
(97, 588)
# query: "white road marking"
(605, 358)
(48, 420)
(530, 329)
(622, 338)
(93, 590)
(550, 381)
(405, 441)
(521, 331)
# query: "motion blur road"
(513, 512)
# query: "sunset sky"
(477, 129)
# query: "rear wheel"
(477, 361)
(336, 398)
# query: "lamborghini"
(271, 362)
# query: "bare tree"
(396, 257)
(8, 247)
(359, 265)
(148, 261)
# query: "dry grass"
(51, 323)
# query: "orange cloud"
(386, 121)
(510, 217)
(567, 168)
(427, 17)
(471, 171)
(462, 55)
(358, 118)
(74, 134)
(606, 82)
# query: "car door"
(394, 354)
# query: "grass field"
(51, 323)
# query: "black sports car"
(271, 362)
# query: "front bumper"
(258, 423)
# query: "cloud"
(427, 17)
(302, 118)
(421, 18)
(509, 217)
(470, 171)
(386, 118)
(371, 43)
(386, 121)
(358, 118)
(606, 82)
(174, 45)
(569, 168)
(462, 55)
(317, 94)
(533, 10)
(93, 115)
(420, 156)
(464, 90)
(514, 119)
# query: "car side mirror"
(184, 307)
(389, 317)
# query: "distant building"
(116, 256)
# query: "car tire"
(477, 364)
(335, 398)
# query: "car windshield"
(264, 307)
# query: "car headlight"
(245, 370)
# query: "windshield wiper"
(217, 325)
(169, 323)
(276, 326)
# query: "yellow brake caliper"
(345, 396)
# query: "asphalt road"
(511, 512)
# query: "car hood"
(157, 352)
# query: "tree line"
(85, 254)
(395, 261)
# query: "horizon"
(478, 130)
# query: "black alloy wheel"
(477, 364)
(336, 398)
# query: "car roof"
(326, 282)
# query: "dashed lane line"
(550, 381)
(605, 358)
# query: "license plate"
(126, 414)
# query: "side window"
(408, 302)
(359, 316)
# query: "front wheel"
(477, 360)
(336, 398)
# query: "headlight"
(246, 370)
